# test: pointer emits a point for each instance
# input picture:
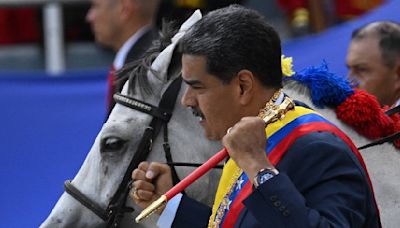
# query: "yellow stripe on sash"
(289, 117)
(231, 171)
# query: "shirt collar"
(122, 53)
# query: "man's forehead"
(367, 44)
(193, 64)
(364, 51)
(194, 58)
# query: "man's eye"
(196, 87)
(361, 69)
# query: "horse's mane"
(297, 87)
(138, 69)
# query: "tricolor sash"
(234, 185)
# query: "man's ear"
(397, 70)
(246, 81)
(397, 80)
(127, 7)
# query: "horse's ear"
(175, 65)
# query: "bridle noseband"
(116, 209)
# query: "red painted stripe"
(195, 175)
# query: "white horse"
(382, 161)
(112, 151)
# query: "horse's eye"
(112, 144)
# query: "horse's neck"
(299, 92)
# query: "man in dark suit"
(300, 171)
(125, 26)
(373, 60)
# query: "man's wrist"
(255, 168)
(264, 175)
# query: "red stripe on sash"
(237, 206)
(276, 155)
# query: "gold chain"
(270, 103)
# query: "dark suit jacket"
(135, 53)
(141, 45)
(321, 184)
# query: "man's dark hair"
(388, 34)
(235, 38)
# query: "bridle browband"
(115, 210)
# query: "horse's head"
(118, 141)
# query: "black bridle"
(393, 110)
(389, 138)
(116, 208)
(380, 141)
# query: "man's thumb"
(155, 169)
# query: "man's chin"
(212, 137)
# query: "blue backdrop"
(332, 44)
(49, 124)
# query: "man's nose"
(353, 79)
(187, 98)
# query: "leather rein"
(116, 208)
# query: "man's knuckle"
(143, 165)
(139, 183)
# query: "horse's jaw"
(68, 213)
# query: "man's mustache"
(196, 112)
